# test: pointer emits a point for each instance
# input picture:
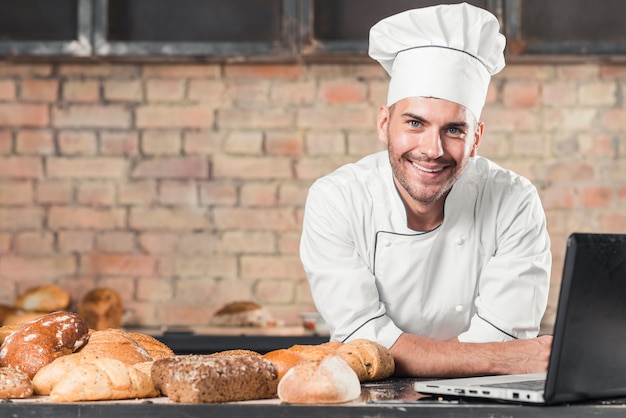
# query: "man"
(436, 253)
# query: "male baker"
(431, 250)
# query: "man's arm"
(421, 357)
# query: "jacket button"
(460, 240)
(458, 308)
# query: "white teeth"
(428, 170)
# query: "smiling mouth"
(426, 169)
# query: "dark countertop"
(389, 398)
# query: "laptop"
(588, 357)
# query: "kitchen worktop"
(389, 398)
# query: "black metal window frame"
(80, 46)
(287, 46)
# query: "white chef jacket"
(483, 275)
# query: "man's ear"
(382, 123)
(478, 135)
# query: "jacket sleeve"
(514, 283)
(342, 284)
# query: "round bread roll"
(329, 380)
(45, 298)
(42, 340)
(14, 384)
(102, 308)
(116, 344)
(369, 359)
(283, 360)
(235, 352)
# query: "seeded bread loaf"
(212, 379)
(14, 384)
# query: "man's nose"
(430, 145)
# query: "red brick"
(248, 242)
(582, 119)
(169, 90)
(61, 217)
(116, 242)
(258, 194)
(263, 219)
(34, 243)
(611, 71)
(314, 168)
(293, 93)
(207, 91)
(598, 145)
(199, 266)
(332, 118)
(158, 242)
(498, 119)
(54, 192)
(42, 90)
(12, 69)
(578, 72)
(91, 193)
(218, 193)
(182, 313)
(137, 193)
(198, 243)
(172, 168)
(92, 116)
(264, 267)
(559, 93)
(6, 142)
(76, 241)
(568, 171)
(178, 193)
(16, 193)
(274, 291)
(87, 168)
(273, 71)
(81, 91)
(169, 219)
(361, 144)
(154, 290)
(250, 94)
(340, 92)
(325, 143)
(284, 143)
(100, 69)
(182, 70)
(39, 142)
(251, 168)
(535, 72)
(188, 116)
(123, 90)
(197, 291)
(117, 264)
(5, 243)
(161, 142)
(201, 143)
(119, 143)
(259, 119)
(614, 222)
(21, 114)
(77, 143)
(244, 142)
(614, 119)
(7, 90)
(558, 197)
(289, 243)
(293, 193)
(597, 196)
(40, 268)
(597, 94)
(20, 167)
(530, 144)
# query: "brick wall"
(182, 186)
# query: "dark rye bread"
(195, 378)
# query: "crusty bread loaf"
(7, 330)
(116, 344)
(369, 359)
(284, 359)
(39, 342)
(243, 314)
(50, 374)
(210, 379)
(329, 380)
(236, 352)
(155, 348)
(45, 298)
(102, 379)
(102, 308)
(14, 384)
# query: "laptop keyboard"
(526, 385)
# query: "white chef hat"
(446, 51)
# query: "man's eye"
(414, 124)
(454, 131)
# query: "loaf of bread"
(116, 344)
(155, 348)
(369, 359)
(45, 298)
(102, 308)
(243, 314)
(14, 384)
(7, 330)
(211, 379)
(329, 380)
(39, 342)
(96, 379)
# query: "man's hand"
(425, 357)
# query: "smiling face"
(429, 141)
